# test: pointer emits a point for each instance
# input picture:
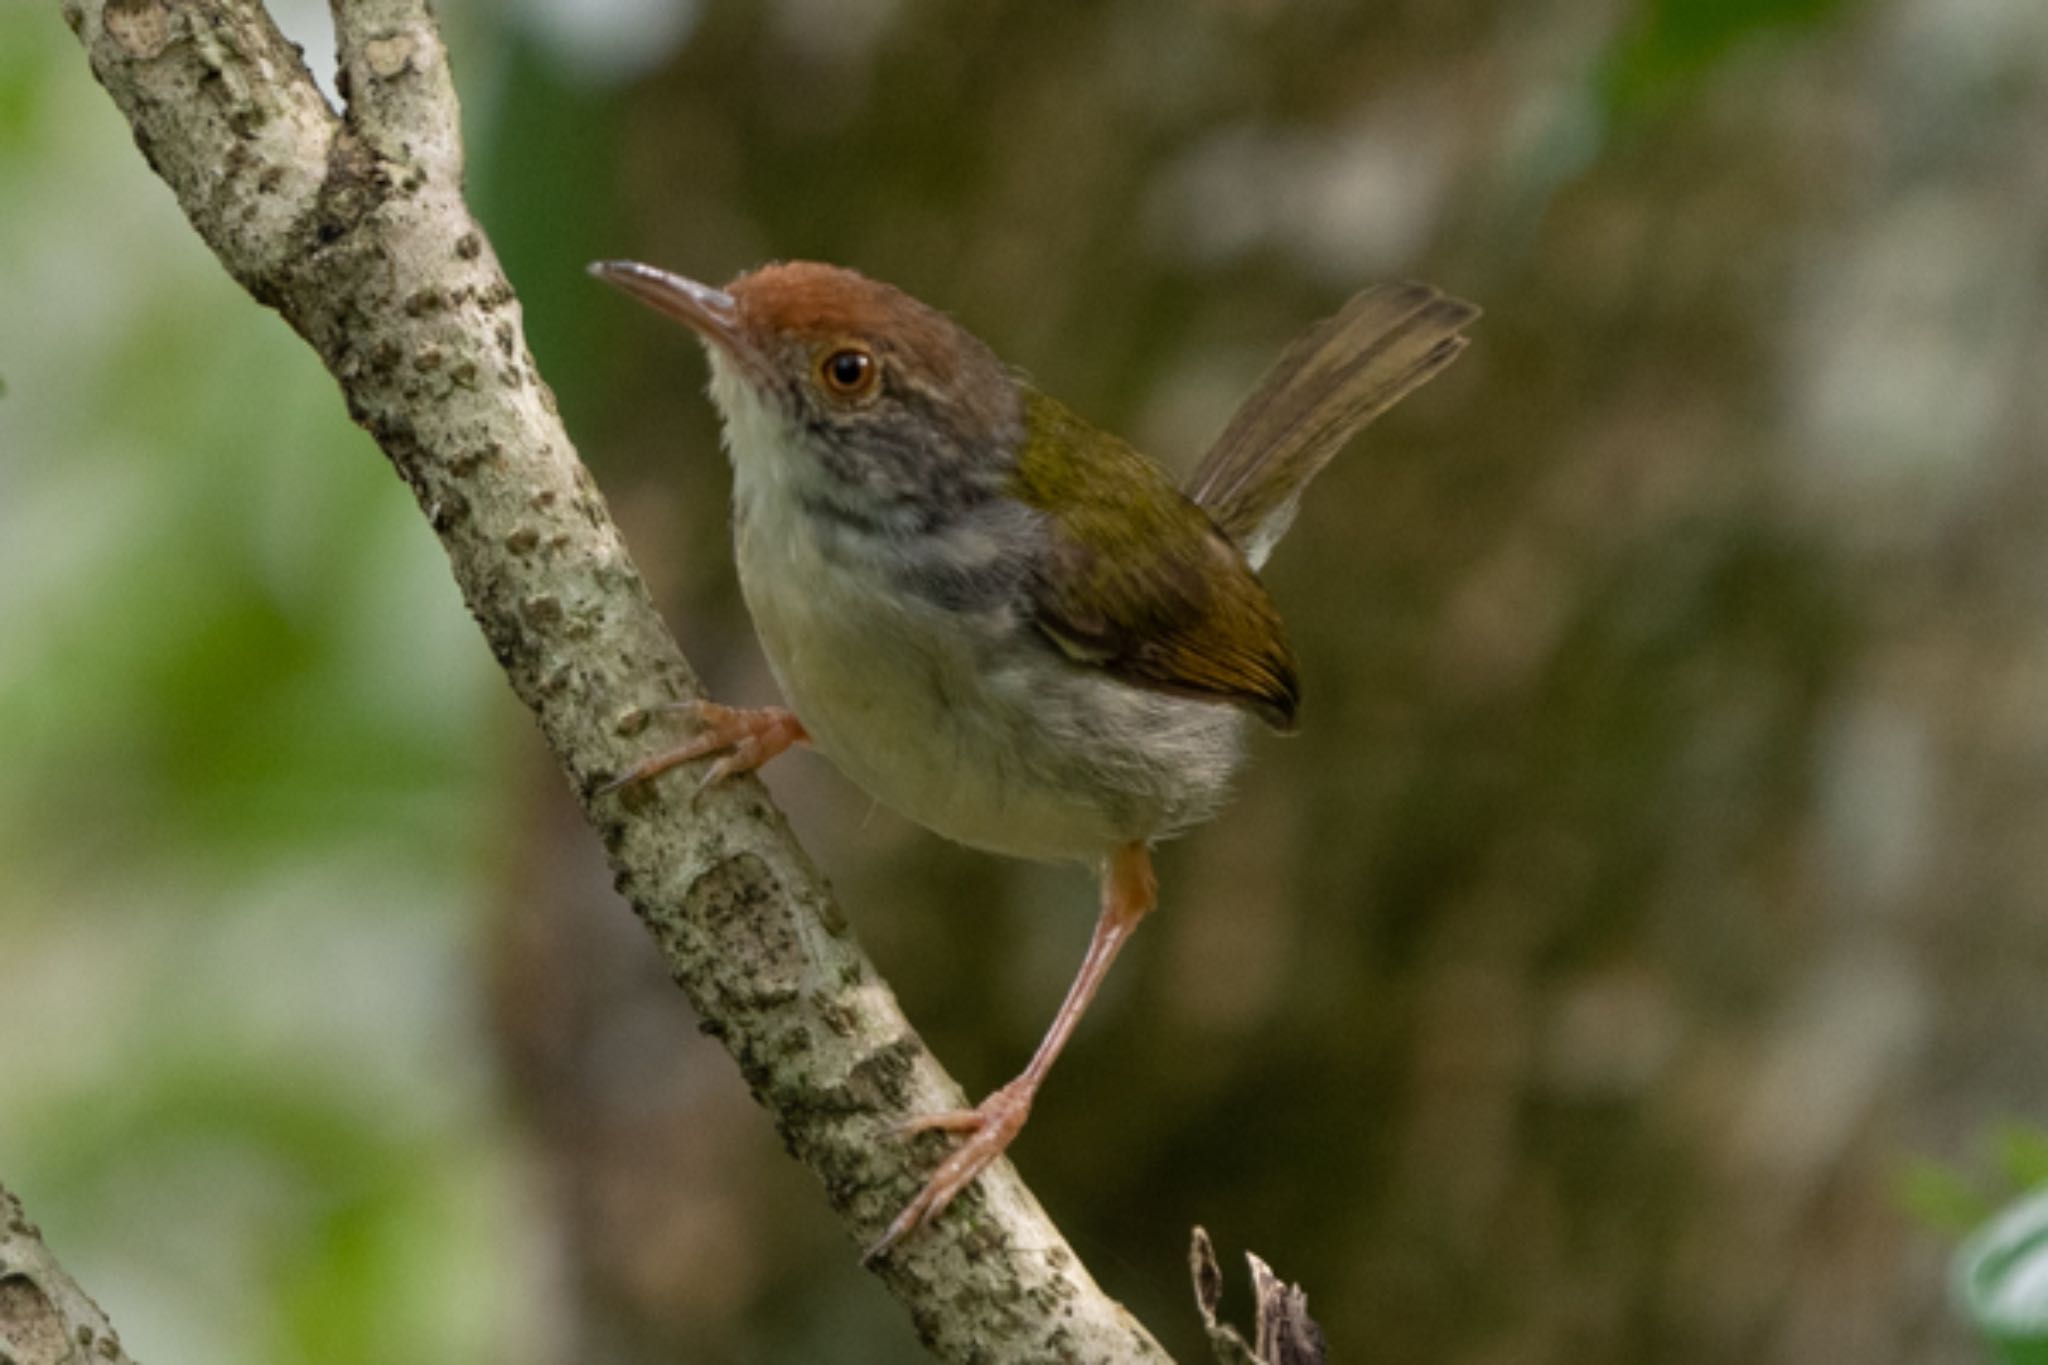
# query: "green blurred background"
(1639, 958)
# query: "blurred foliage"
(247, 727)
(1669, 46)
(1665, 863)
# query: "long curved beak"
(711, 313)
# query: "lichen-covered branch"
(352, 225)
(45, 1318)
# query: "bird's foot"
(750, 737)
(990, 1128)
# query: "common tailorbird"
(999, 620)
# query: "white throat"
(759, 440)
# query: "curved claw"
(753, 736)
(952, 1121)
(991, 1126)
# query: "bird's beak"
(711, 313)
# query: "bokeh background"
(1641, 957)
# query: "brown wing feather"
(1335, 378)
(1139, 582)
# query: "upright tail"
(1338, 376)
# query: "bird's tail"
(1342, 373)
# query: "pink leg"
(1129, 892)
(753, 737)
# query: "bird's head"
(827, 373)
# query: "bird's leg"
(753, 737)
(1129, 892)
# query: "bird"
(996, 618)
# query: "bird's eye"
(848, 372)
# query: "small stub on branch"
(388, 56)
(141, 27)
(1282, 1331)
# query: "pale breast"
(968, 722)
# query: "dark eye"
(849, 372)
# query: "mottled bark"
(45, 1318)
(353, 226)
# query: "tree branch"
(45, 1318)
(354, 228)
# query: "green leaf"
(2002, 1277)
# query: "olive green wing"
(1136, 580)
